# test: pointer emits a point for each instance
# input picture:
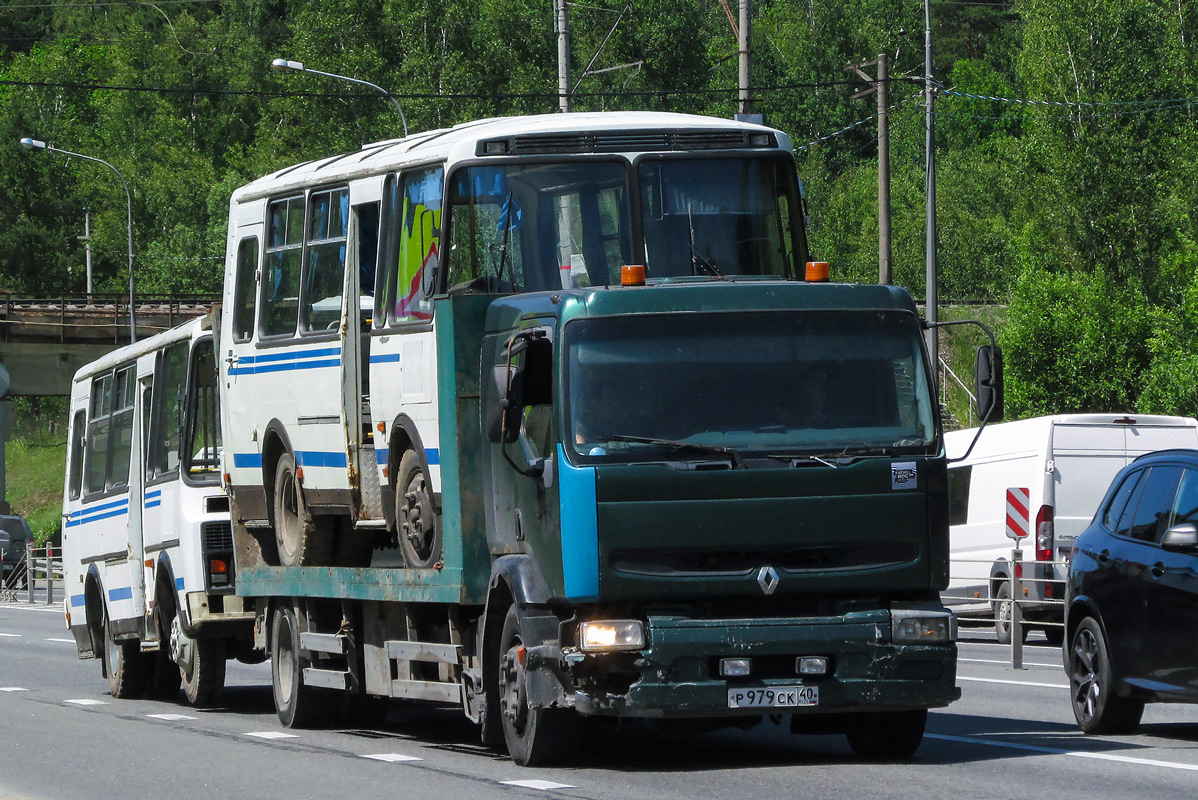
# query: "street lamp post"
(283, 64)
(34, 144)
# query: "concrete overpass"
(44, 341)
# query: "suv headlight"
(607, 635)
(916, 626)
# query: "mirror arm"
(516, 345)
(993, 344)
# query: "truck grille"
(217, 536)
(665, 563)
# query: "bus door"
(236, 361)
(162, 423)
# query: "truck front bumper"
(677, 674)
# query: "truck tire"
(417, 523)
(534, 736)
(164, 678)
(302, 540)
(1092, 685)
(201, 665)
(298, 705)
(886, 735)
(1002, 614)
(123, 664)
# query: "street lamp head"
(32, 144)
(282, 64)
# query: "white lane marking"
(68, 641)
(392, 758)
(1026, 646)
(535, 784)
(1147, 762)
(11, 635)
(1003, 661)
(87, 701)
(12, 689)
(273, 735)
(1015, 683)
(170, 717)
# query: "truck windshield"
(719, 216)
(685, 387)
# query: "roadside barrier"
(1010, 611)
(39, 566)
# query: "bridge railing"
(43, 317)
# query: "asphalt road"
(1012, 735)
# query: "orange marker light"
(817, 271)
(632, 275)
(218, 566)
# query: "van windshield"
(685, 386)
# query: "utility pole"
(86, 238)
(744, 34)
(562, 24)
(879, 87)
(930, 299)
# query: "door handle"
(1158, 569)
(1104, 556)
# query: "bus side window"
(96, 463)
(121, 438)
(324, 260)
(412, 245)
(78, 441)
(281, 279)
(244, 297)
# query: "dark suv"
(1132, 598)
(14, 532)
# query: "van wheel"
(535, 736)
(1002, 614)
(887, 734)
(417, 523)
(297, 704)
(124, 665)
(1092, 685)
(201, 665)
(302, 541)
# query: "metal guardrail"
(39, 565)
(1019, 597)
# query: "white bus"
(147, 543)
(329, 347)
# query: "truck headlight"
(606, 635)
(912, 626)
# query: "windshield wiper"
(733, 455)
(794, 460)
(696, 259)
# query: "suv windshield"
(683, 387)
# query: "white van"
(1066, 462)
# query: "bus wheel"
(124, 665)
(535, 736)
(418, 525)
(201, 665)
(301, 540)
(297, 704)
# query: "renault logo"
(767, 579)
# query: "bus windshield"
(690, 386)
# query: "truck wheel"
(417, 523)
(1092, 685)
(1002, 614)
(201, 665)
(124, 665)
(534, 736)
(301, 540)
(887, 735)
(298, 705)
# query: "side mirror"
(505, 401)
(989, 384)
(1181, 538)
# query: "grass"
(958, 347)
(35, 464)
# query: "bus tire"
(201, 667)
(535, 736)
(301, 540)
(124, 665)
(297, 704)
(417, 522)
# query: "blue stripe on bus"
(78, 600)
(318, 458)
(380, 455)
(293, 355)
(433, 455)
(386, 358)
(87, 512)
(96, 518)
(247, 460)
(153, 494)
(125, 593)
(289, 366)
(153, 504)
(179, 584)
(287, 362)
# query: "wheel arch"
(275, 442)
(94, 608)
(405, 436)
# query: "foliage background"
(1074, 214)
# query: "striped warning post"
(1018, 519)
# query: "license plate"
(774, 697)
